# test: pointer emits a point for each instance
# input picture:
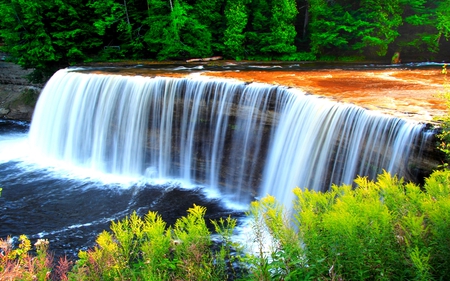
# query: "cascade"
(241, 139)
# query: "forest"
(46, 35)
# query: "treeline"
(42, 33)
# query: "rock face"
(17, 96)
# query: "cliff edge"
(17, 95)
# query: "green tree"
(174, 33)
(368, 26)
(379, 20)
(236, 15)
(330, 26)
(25, 34)
(426, 24)
(282, 29)
(257, 36)
(122, 25)
(209, 14)
(71, 30)
(46, 35)
(157, 20)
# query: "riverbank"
(17, 95)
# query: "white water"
(229, 136)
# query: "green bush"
(147, 249)
(299, 56)
(444, 121)
(380, 230)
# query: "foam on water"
(13, 147)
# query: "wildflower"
(41, 244)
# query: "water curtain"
(244, 140)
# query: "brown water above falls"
(401, 92)
(405, 91)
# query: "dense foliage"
(444, 121)
(380, 230)
(48, 34)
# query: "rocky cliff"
(17, 95)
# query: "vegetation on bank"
(45, 35)
(381, 230)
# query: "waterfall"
(244, 140)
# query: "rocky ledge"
(17, 95)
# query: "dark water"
(71, 210)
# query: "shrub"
(18, 264)
(444, 121)
(380, 230)
(147, 249)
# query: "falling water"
(243, 140)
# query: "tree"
(259, 31)
(209, 14)
(157, 20)
(366, 26)
(46, 35)
(443, 20)
(122, 25)
(282, 29)
(381, 19)
(426, 24)
(236, 15)
(71, 30)
(25, 35)
(330, 26)
(175, 33)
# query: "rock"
(17, 95)
(3, 111)
(205, 59)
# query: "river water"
(69, 209)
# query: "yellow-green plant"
(346, 232)
(19, 264)
(381, 230)
(147, 249)
(279, 254)
(229, 252)
(444, 121)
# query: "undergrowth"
(381, 230)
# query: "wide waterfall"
(243, 140)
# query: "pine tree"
(426, 23)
